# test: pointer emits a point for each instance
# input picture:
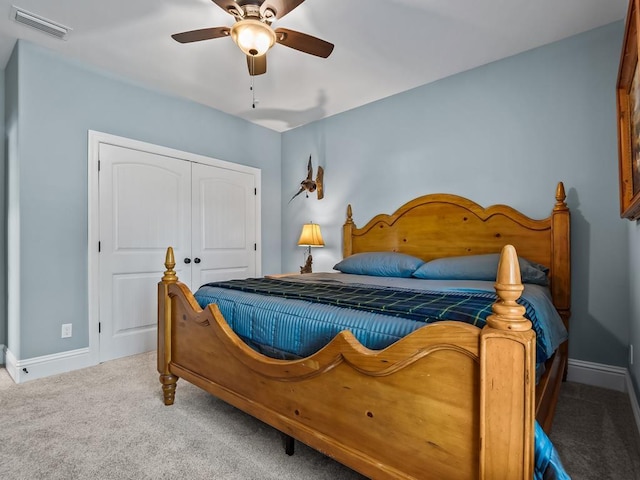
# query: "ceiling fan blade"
(257, 65)
(303, 42)
(279, 7)
(202, 34)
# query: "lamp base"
(307, 265)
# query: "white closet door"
(224, 224)
(145, 206)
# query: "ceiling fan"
(252, 31)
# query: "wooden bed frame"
(448, 401)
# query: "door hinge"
(99, 247)
(255, 246)
(98, 165)
(255, 191)
(99, 327)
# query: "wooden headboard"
(443, 225)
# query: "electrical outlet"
(66, 330)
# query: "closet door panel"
(224, 224)
(145, 206)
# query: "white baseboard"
(40, 367)
(597, 375)
(605, 376)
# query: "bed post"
(507, 381)
(561, 255)
(167, 379)
(347, 234)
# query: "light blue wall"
(506, 132)
(11, 197)
(3, 223)
(634, 292)
(502, 133)
(59, 101)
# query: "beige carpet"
(596, 434)
(109, 422)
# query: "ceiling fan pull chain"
(253, 91)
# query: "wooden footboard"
(449, 401)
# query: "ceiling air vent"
(39, 23)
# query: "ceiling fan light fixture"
(253, 37)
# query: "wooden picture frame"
(628, 98)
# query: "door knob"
(196, 260)
(187, 260)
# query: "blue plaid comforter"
(417, 305)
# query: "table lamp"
(310, 237)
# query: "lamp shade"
(311, 236)
(253, 37)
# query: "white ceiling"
(382, 47)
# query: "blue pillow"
(479, 267)
(380, 264)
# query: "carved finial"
(507, 313)
(560, 198)
(349, 214)
(170, 262)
